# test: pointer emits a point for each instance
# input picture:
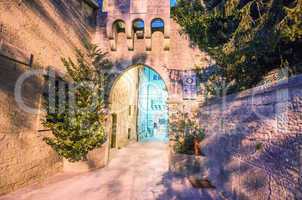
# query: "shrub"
(77, 121)
(185, 132)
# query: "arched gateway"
(138, 107)
(142, 33)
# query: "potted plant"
(188, 135)
(199, 135)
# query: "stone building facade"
(163, 49)
(37, 34)
(143, 33)
(34, 35)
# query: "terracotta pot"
(97, 158)
(197, 150)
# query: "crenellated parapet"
(127, 13)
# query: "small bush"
(185, 132)
(76, 112)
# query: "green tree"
(75, 114)
(247, 38)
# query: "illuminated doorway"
(152, 118)
(138, 106)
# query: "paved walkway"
(138, 172)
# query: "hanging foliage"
(247, 38)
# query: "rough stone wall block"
(167, 44)
(109, 29)
(264, 136)
(167, 27)
(49, 31)
(113, 44)
(148, 42)
(130, 44)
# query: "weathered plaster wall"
(254, 139)
(24, 157)
(49, 30)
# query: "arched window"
(157, 25)
(138, 28)
(118, 34)
(119, 27)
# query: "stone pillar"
(130, 36)
(111, 35)
(167, 43)
(148, 35)
(112, 42)
(167, 35)
(148, 43)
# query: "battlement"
(124, 7)
(137, 19)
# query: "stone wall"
(162, 51)
(254, 140)
(48, 30)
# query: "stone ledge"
(292, 82)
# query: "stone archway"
(117, 74)
(125, 109)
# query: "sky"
(155, 24)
